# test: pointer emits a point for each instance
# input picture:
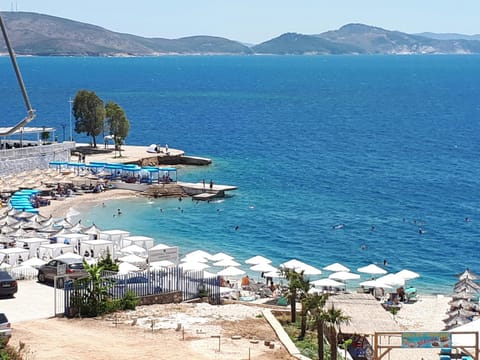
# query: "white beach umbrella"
(126, 267)
(372, 269)
(274, 274)
(265, 268)
(407, 274)
(327, 283)
(375, 284)
(34, 261)
(194, 258)
(5, 265)
(226, 262)
(336, 267)
(259, 259)
(160, 247)
(299, 266)
(199, 254)
(343, 276)
(231, 271)
(161, 263)
(133, 259)
(220, 256)
(392, 279)
(134, 249)
(193, 266)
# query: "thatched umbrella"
(467, 274)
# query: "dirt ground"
(123, 337)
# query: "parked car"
(72, 268)
(5, 330)
(140, 285)
(8, 285)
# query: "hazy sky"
(254, 21)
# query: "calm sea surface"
(383, 144)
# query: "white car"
(5, 330)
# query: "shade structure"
(194, 258)
(134, 249)
(193, 266)
(375, 284)
(133, 259)
(274, 275)
(461, 303)
(68, 255)
(34, 261)
(392, 280)
(343, 276)
(162, 263)
(258, 259)
(300, 266)
(457, 321)
(220, 256)
(327, 283)
(226, 262)
(231, 271)
(336, 267)
(407, 274)
(467, 274)
(265, 268)
(198, 254)
(372, 269)
(126, 267)
(462, 312)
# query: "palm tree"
(294, 284)
(315, 304)
(302, 292)
(333, 319)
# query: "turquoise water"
(311, 142)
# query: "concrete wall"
(35, 157)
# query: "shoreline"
(61, 208)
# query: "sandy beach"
(60, 208)
(203, 325)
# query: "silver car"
(71, 268)
(5, 330)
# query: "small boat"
(338, 226)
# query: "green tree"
(89, 114)
(315, 304)
(294, 287)
(302, 293)
(118, 123)
(333, 319)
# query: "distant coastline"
(45, 35)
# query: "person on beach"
(211, 184)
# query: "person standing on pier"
(211, 184)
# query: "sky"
(255, 21)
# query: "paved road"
(32, 301)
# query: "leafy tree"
(333, 319)
(294, 287)
(315, 304)
(89, 114)
(118, 123)
(302, 293)
(45, 136)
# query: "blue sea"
(386, 145)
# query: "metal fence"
(192, 284)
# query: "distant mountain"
(37, 34)
(375, 40)
(449, 36)
(298, 44)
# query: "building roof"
(28, 130)
(367, 315)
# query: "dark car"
(5, 330)
(140, 285)
(71, 268)
(8, 285)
